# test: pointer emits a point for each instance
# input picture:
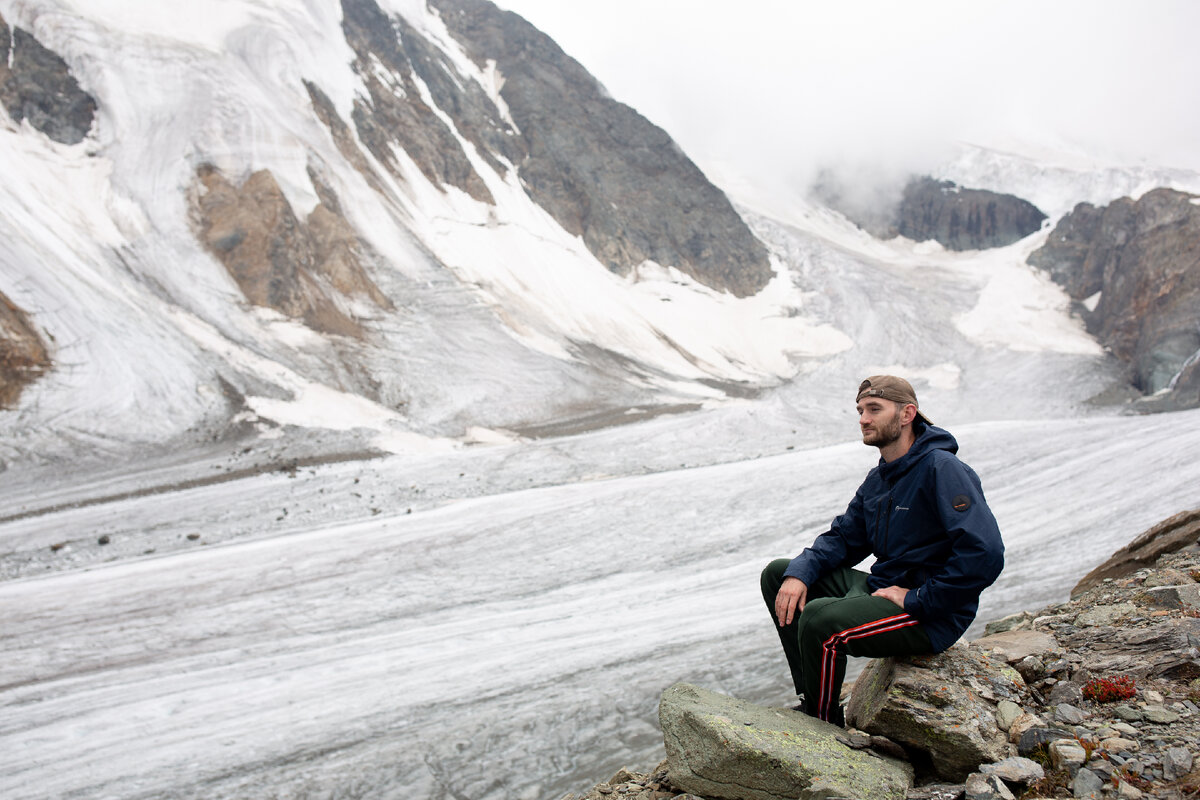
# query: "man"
(922, 514)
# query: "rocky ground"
(1069, 732)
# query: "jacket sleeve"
(845, 542)
(976, 549)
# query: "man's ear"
(908, 414)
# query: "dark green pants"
(840, 618)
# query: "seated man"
(922, 514)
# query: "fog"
(772, 92)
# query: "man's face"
(879, 420)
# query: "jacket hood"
(929, 439)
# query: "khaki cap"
(889, 387)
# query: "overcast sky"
(779, 87)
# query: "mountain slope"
(411, 248)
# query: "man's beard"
(883, 434)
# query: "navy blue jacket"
(924, 518)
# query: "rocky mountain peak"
(956, 217)
(1134, 267)
(598, 167)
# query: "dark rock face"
(23, 355)
(278, 261)
(957, 218)
(1143, 258)
(964, 219)
(37, 85)
(396, 112)
(600, 169)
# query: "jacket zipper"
(887, 523)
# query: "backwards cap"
(889, 387)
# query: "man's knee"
(772, 577)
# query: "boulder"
(944, 705)
(1173, 533)
(722, 747)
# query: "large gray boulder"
(944, 705)
(722, 747)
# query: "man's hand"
(894, 593)
(790, 600)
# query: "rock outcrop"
(23, 355)
(964, 219)
(1134, 268)
(598, 167)
(297, 268)
(1173, 533)
(720, 747)
(956, 217)
(943, 705)
(37, 85)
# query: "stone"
(1153, 698)
(1068, 714)
(1040, 737)
(1186, 596)
(1024, 722)
(987, 787)
(1159, 715)
(1167, 577)
(1020, 621)
(1020, 644)
(1066, 754)
(1066, 692)
(1177, 762)
(1128, 713)
(1097, 616)
(885, 746)
(1087, 784)
(721, 747)
(1031, 668)
(1015, 769)
(937, 704)
(1127, 791)
(1006, 714)
(1118, 744)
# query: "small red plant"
(1109, 690)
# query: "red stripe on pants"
(839, 640)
